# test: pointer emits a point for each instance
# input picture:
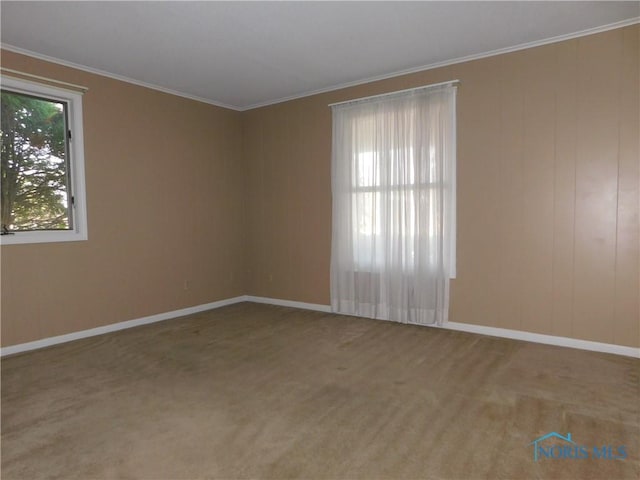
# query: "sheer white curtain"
(393, 186)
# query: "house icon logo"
(560, 447)
(537, 449)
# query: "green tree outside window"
(35, 175)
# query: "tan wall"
(548, 190)
(548, 199)
(164, 191)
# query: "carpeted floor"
(256, 391)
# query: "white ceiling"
(247, 54)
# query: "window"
(386, 202)
(393, 186)
(42, 169)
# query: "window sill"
(19, 238)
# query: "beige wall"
(547, 190)
(548, 199)
(164, 193)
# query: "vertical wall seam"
(576, 108)
(617, 219)
(261, 215)
(522, 141)
(502, 181)
(555, 196)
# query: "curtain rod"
(68, 85)
(381, 95)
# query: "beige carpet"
(255, 391)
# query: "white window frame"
(415, 187)
(73, 101)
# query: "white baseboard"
(546, 339)
(484, 330)
(289, 303)
(463, 327)
(47, 342)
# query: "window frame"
(75, 163)
(416, 188)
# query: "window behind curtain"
(393, 179)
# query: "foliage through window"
(41, 164)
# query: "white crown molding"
(446, 63)
(114, 327)
(492, 53)
(115, 76)
(462, 327)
